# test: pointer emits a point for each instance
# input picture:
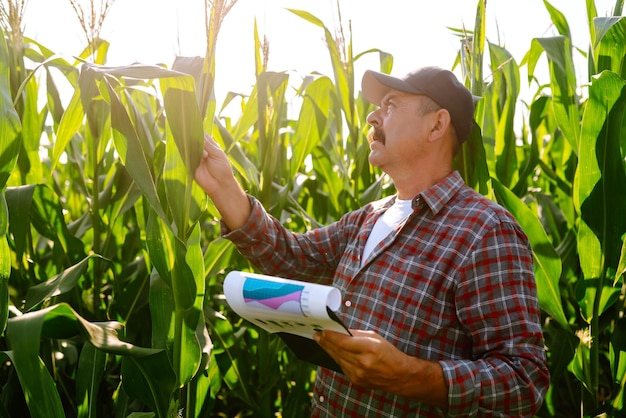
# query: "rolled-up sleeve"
(273, 249)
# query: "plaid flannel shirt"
(454, 283)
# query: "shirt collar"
(434, 198)
(438, 195)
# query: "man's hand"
(370, 361)
(215, 175)
(214, 168)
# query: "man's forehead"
(399, 95)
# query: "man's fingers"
(211, 146)
(359, 342)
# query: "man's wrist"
(424, 381)
(234, 206)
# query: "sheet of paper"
(282, 305)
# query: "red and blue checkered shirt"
(454, 283)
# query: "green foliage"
(111, 259)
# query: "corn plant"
(566, 171)
(131, 255)
(111, 261)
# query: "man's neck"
(414, 183)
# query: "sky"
(415, 32)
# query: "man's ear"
(441, 124)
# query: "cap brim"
(375, 86)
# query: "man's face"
(399, 131)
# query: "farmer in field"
(437, 280)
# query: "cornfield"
(111, 260)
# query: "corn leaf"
(181, 102)
(187, 349)
(38, 206)
(202, 69)
(162, 311)
(326, 167)
(5, 263)
(592, 14)
(178, 184)
(249, 116)
(24, 334)
(272, 88)
(62, 322)
(600, 184)
(192, 341)
(473, 157)
(259, 65)
(547, 261)
(587, 291)
(37, 52)
(311, 123)
(232, 366)
(132, 154)
(562, 84)
(204, 388)
(217, 256)
(530, 159)
(621, 267)
(160, 243)
(471, 161)
(136, 71)
(70, 124)
(342, 67)
(60, 284)
(168, 254)
(580, 366)
(478, 48)
(559, 20)
(39, 389)
(610, 46)
(238, 158)
(505, 92)
(97, 50)
(32, 122)
(9, 120)
(140, 106)
(184, 119)
(54, 103)
(184, 197)
(89, 375)
(176, 297)
(149, 379)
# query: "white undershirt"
(387, 223)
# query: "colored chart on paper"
(281, 297)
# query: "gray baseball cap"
(440, 85)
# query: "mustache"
(376, 133)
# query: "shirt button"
(348, 304)
(321, 399)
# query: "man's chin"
(373, 160)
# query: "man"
(438, 280)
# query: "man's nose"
(373, 118)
